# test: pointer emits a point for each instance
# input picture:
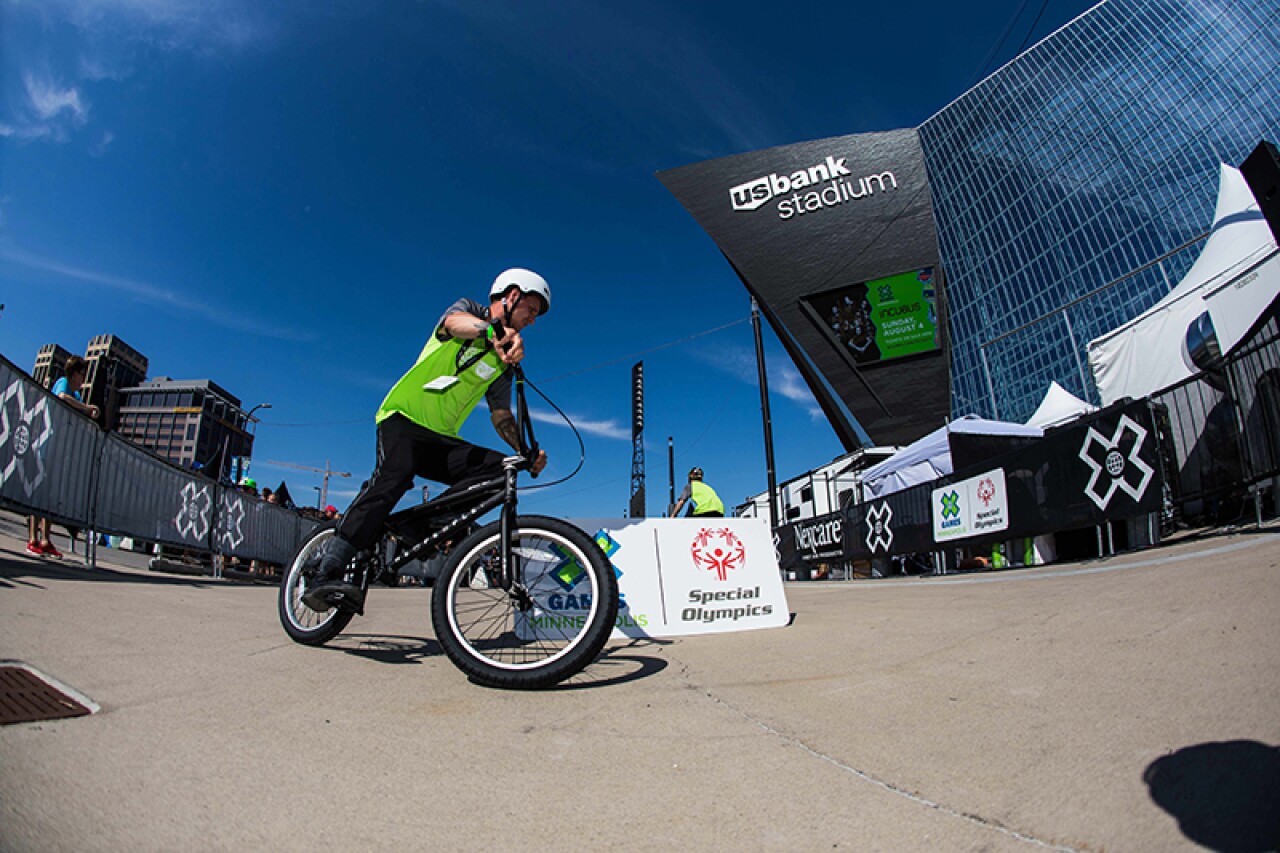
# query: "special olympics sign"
(972, 507)
(683, 576)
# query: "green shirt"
(704, 498)
(449, 378)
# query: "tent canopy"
(1235, 279)
(929, 458)
(1058, 406)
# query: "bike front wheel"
(304, 625)
(551, 623)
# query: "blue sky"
(284, 196)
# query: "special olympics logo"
(1124, 471)
(986, 491)
(718, 550)
(879, 533)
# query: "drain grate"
(27, 698)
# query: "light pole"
(249, 419)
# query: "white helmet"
(528, 282)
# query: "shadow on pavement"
(1225, 796)
(383, 649)
(611, 668)
(18, 569)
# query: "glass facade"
(1084, 160)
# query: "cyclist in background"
(465, 359)
(705, 503)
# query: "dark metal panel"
(852, 225)
(47, 450)
(144, 496)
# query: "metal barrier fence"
(1222, 428)
(56, 463)
(1202, 452)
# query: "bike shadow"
(618, 665)
(384, 649)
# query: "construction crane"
(326, 471)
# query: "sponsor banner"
(684, 576)
(978, 506)
(1104, 467)
(819, 539)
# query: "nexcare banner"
(682, 576)
(836, 241)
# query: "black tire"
(300, 622)
(491, 638)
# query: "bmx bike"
(523, 602)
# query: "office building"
(195, 423)
(962, 266)
(51, 363)
(1063, 182)
(113, 366)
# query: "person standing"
(66, 389)
(703, 500)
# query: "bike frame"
(505, 496)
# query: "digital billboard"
(883, 319)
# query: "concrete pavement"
(1127, 704)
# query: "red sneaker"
(49, 551)
(34, 549)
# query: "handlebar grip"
(498, 331)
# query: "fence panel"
(252, 529)
(47, 450)
(143, 496)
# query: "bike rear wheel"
(548, 627)
(304, 625)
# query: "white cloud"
(149, 293)
(59, 46)
(791, 385)
(600, 429)
(46, 110)
(50, 100)
(784, 379)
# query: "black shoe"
(326, 587)
(337, 593)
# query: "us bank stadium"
(984, 263)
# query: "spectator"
(331, 512)
(66, 389)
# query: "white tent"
(1235, 278)
(929, 458)
(1059, 406)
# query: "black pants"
(405, 450)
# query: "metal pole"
(765, 414)
(671, 475)
(1075, 352)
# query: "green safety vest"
(704, 498)
(445, 384)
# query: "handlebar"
(527, 441)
